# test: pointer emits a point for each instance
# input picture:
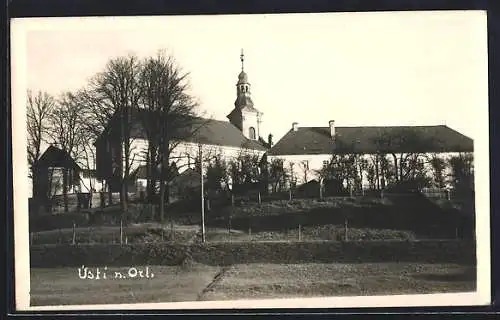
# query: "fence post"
(345, 230)
(126, 240)
(162, 234)
(74, 233)
(230, 215)
(290, 194)
(300, 232)
(250, 231)
(260, 200)
(208, 204)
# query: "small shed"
(49, 172)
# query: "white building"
(307, 149)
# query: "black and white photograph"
(251, 161)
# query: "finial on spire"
(242, 58)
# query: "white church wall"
(185, 155)
(250, 119)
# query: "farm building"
(306, 150)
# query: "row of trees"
(386, 166)
(400, 156)
(75, 120)
(429, 170)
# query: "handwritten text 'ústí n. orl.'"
(103, 273)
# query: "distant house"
(217, 138)
(49, 173)
(307, 149)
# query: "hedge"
(47, 256)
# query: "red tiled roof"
(363, 140)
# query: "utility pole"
(202, 195)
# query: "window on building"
(251, 133)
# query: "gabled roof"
(363, 140)
(57, 158)
(200, 130)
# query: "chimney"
(331, 123)
(295, 126)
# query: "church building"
(216, 138)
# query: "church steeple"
(242, 58)
(244, 116)
(243, 98)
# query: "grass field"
(261, 281)
(62, 286)
(153, 232)
(134, 233)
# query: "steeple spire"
(244, 116)
(242, 58)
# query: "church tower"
(244, 116)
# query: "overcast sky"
(407, 68)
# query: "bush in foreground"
(253, 252)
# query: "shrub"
(254, 252)
(58, 221)
(143, 233)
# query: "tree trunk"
(396, 166)
(124, 167)
(151, 173)
(167, 193)
(91, 193)
(162, 201)
(377, 174)
(34, 182)
(401, 175)
(65, 190)
(110, 194)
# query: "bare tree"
(304, 167)
(39, 106)
(217, 174)
(98, 113)
(462, 172)
(67, 134)
(170, 117)
(406, 148)
(341, 168)
(118, 89)
(277, 174)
